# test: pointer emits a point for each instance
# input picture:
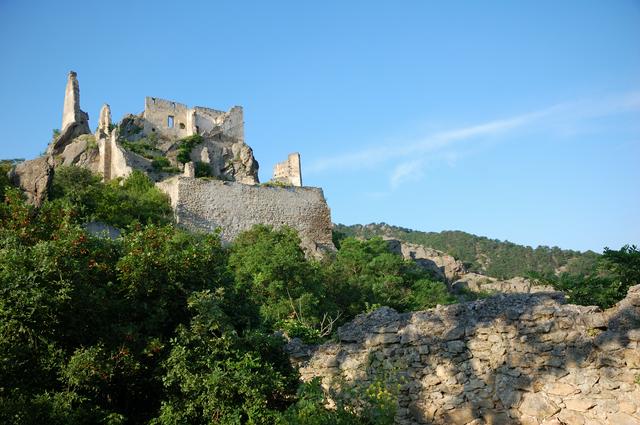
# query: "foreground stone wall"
(508, 359)
(234, 207)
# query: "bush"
(203, 169)
(186, 145)
(160, 162)
(270, 268)
(118, 202)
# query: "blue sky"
(513, 120)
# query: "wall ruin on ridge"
(177, 120)
(289, 171)
(509, 359)
(205, 205)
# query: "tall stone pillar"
(75, 122)
(104, 122)
(71, 112)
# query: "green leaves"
(186, 145)
(120, 203)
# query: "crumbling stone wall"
(187, 121)
(156, 118)
(234, 207)
(289, 171)
(509, 359)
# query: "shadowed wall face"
(509, 359)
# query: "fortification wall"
(157, 112)
(509, 359)
(234, 207)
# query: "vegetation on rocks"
(500, 259)
(186, 145)
(163, 326)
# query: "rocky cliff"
(509, 359)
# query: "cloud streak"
(412, 154)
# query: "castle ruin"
(288, 171)
(198, 156)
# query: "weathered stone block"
(538, 406)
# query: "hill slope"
(501, 259)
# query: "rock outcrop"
(507, 359)
(34, 178)
(480, 283)
(442, 265)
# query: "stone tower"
(71, 112)
(75, 122)
(104, 122)
(289, 171)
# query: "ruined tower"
(104, 122)
(71, 112)
(75, 122)
(289, 171)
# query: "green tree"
(271, 269)
(215, 375)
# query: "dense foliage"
(186, 145)
(501, 259)
(604, 285)
(163, 326)
(118, 203)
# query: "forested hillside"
(501, 259)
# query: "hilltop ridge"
(480, 254)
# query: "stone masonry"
(229, 199)
(509, 359)
(289, 171)
(234, 207)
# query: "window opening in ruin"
(182, 126)
(170, 121)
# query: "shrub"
(160, 162)
(276, 183)
(202, 169)
(186, 145)
(119, 202)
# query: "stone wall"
(188, 121)
(508, 359)
(234, 207)
(288, 171)
(156, 114)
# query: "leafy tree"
(366, 274)
(623, 265)
(119, 202)
(215, 375)
(271, 269)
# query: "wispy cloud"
(375, 155)
(411, 154)
(407, 171)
